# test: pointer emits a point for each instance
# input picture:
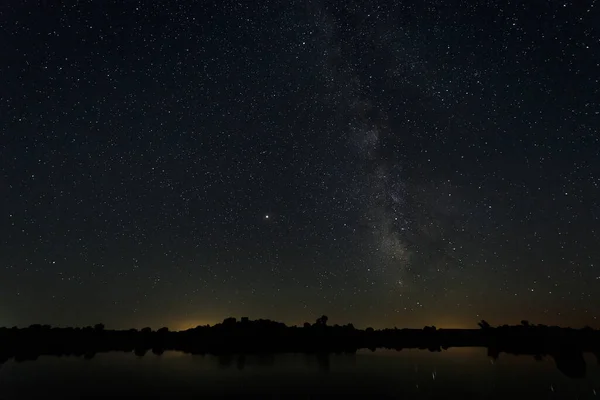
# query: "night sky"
(384, 163)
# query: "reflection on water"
(465, 372)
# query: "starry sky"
(384, 163)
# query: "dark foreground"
(458, 373)
(565, 345)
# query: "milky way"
(379, 185)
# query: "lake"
(456, 373)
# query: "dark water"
(455, 373)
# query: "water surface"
(466, 372)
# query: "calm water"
(467, 373)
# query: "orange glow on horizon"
(182, 325)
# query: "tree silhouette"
(484, 324)
(263, 336)
(322, 321)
